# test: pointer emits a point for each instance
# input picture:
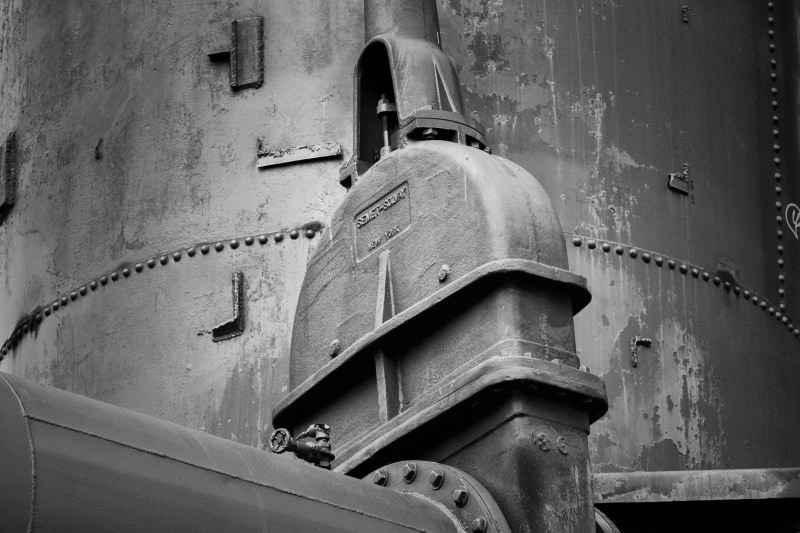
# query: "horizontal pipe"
(68, 463)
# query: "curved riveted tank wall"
(601, 101)
(132, 146)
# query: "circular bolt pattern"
(606, 247)
(114, 276)
(93, 285)
(126, 272)
(577, 241)
(191, 252)
(591, 244)
(103, 280)
(294, 234)
(278, 237)
(234, 244)
(310, 233)
(409, 472)
(671, 264)
(619, 250)
(461, 496)
(219, 246)
(659, 260)
(163, 260)
(249, 240)
(138, 267)
(262, 239)
(176, 256)
(204, 249)
(633, 252)
(151, 263)
(82, 290)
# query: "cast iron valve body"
(317, 451)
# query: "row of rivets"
(685, 268)
(24, 326)
(773, 76)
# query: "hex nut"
(380, 477)
(479, 525)
(436, 479)
(334, 347)
(460, 496)
(444, 272)
(409, 472)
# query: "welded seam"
(685, 268)
(33, 454)
(216, 471)
(30, 322)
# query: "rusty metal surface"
(74, 464)
(134, 156)
(602, 101)
(698, 485)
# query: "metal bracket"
(679, 181)
(637, 341)
(268, 157)
(235, 326)
(8, 176)
(246, 54)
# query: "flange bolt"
(436, 478)
(409, 472)
(460, 496)
(479, 525)
(380, 477)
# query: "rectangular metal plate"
(282, 156)
(8, 176)
(247, 53)
(382, 221)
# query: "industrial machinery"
(421, 245)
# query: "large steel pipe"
(68, 463)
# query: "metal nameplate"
(382, 221)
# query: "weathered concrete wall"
(132, 144)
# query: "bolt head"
(436, 479)
(333, 349)
(479, 525)
(443, 272)
(460, 496)
(409, 472)
(380, 477)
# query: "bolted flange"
(461, 496)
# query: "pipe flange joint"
(459, 494)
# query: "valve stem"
(384, 108)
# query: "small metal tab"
(235, 326)
(246, 54)
(8, 176)
(637, 341)
(269, 157)
(679, 181)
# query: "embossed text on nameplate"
(381, 221)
